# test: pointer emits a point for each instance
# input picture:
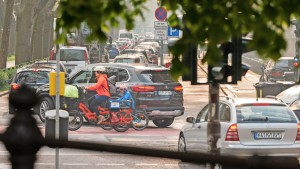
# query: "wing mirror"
(190, 119)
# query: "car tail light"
(276, 73)
(232, 133)
(143, 88)
(298, 133)
(178, 88)
(15, 86)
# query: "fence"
(24, 144)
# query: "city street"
(152, 137)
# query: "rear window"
(284, 63)
(71, 55)
(127, 60)
(265, 114)
(32, 77)
(156, 76)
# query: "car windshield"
(127, 60)
(156, 76)
(71, 55)
(35, 76)
(264, 114)
(284, 63)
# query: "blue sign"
(173, 32)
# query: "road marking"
(44, 163)
(111, 164)
(76, 164)
(171, 164)
(146, 164)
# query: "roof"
(239, 101)
(122, 65)
(73, 47)
(32, 67)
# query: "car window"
(71, 55)
(125, 60)
(84, 77)
(284, 63)
(33, 77)
(155, 76)
(264, 114)
(225, 113)
(202, 115)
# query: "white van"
(126, 34)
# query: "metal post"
(213, 125)
(161, 53)
(57, 104)
(296, 73)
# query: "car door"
(196, 137)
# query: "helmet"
(99, 69)
(124, 86)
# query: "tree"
(6, 32)
(207, 21)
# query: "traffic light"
(296, 62)
(234, 69)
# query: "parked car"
(33, 76)
(249, 126)
(282, 70)
(152, 88)
(73, 56)
(137, 58)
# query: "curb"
(4, 93)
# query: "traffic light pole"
(213, 125)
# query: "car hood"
(290, 95)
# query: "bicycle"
(140, 120)
(116, 117)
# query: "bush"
(3, 81)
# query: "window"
(155, 76)
(225, 113)
(84, 77)
(71, 55)
(203, 114)
(33, 77)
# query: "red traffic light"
(296, 64)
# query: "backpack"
(111, 83)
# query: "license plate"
(165, 93)
(114, 105)
(267, 135)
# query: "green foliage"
(11, 58)
(3, 84)
(206, 21)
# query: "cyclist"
(126, 95)
(102, 90)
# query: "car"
(248, 126)
(138, 50)
(282, 70)
(73, 57)
(152, 89)
(137, 58)
(33, 76)
(52, 64)
(113, 50)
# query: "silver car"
(262, 126)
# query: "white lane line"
(171, 164)
(76, 164)
(44, 163)
(110, 164)
(146, 164)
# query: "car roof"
(32, 67)
(128, 55)
(241, 101)
(73, 47)
(122, 65)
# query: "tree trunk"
(24, 31)
(6, 32)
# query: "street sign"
(160, 25)
(160, 13)
(172, 32)
(160, 34)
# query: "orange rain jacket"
(101, 86)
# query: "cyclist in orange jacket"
(102, 90)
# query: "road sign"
(161, 13)
(173, 32)
(160, 34)
(160, 25)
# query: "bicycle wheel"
(140, 120)
(75, 120)
(106, 126)
(122, 125)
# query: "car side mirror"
(190, 119)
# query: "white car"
(261, 126)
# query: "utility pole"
(296, 58)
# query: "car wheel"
(181, 144)
(163, 122)
(11, 109)
(45, 104)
